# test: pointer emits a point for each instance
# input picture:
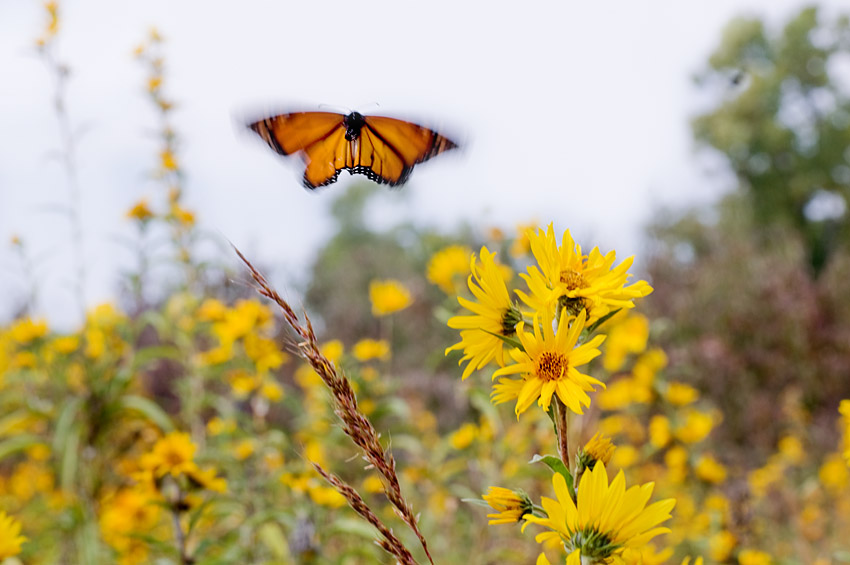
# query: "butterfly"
(383, 149)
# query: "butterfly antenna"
(375, 104)
(340, 109)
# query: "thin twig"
(563, 432)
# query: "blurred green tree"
(783, 124)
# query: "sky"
(575, 113)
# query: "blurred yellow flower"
(388, 296)
(367, 349)
(140, 211)
(464, 436)
(625, 457)
(184, 217)
(625, 337)
(243, 383)
(125, 517)
(659, 431)
(271, 390)
(373, 484)
(696, 427)
(207, 479)
(447, 265)
(66, 344)
(166, 157)
(264, 352)
(753, 557)
(680, 394)
(548, 364)
(218, 426)
(493, 316)
(647, 365)
(510, 507)
(605, 518)
(211, 310)
(834, 474)
(244, 449)
(10, 536)
(521, 245)
(26, 330)
(710, 469)
(564, 278)
(326, 496)
(333, 350)
(792, 449)
(171, 454)
(720, 546)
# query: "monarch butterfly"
(383, 149)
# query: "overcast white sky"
(572, 112)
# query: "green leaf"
(70, 459)
(148, 409)
(512, 341)
(600, 321)
(556, 465)
(273, 538)
(476, 502)
(65, 424)
(19, 443)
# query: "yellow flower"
(25, 330)
(124, 518)
(549, 362)
(166, 157)
(448, 264)
(326, 496)
(244, 449)
(625, 456)
(720, 545)
(521, 245)
(140, 211)
(567, 279)
(208, 479)
(754, 557)
(464, 436)
(183, 216)
(792, 449)
(217, 426)
(605, 519)
(627, 336)
(10, 536)
(388, 296)
(66, 344)
(510, 507)
(271, 391)
(264, 352)
(696, 427)
(333, 350)
(243, 383)
(171, 454)
(834, 475)
(212, 310)
(599, 448)
(680, 394)
(710, 469)
(493, 316)
(659, 431)
(367, 349)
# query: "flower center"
(551, 365)
(573, 279)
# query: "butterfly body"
(384, 149)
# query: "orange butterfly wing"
(383, 149)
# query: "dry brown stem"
(355, 424)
